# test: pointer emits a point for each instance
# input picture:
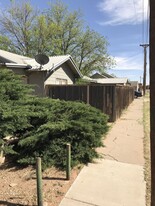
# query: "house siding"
(37, 79)
(64, 73)
(18, 71)
(40, 79)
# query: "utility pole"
(152, 98)
(145, 63)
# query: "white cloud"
(129, 63)
(124, 11)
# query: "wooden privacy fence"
(111, 100)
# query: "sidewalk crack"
(114, 139)
(82, 201)
(107, 155)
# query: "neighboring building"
(100, 76)
(135, 85)
(88, 79)
(59, 70)
(109, 79)
(114, 81)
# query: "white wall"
(64, 73)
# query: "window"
(61, 81)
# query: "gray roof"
(86, 78)
(123, 81)
(134, 83)
(9, 57)
(104, 75)
(17, 61)
(112, 81)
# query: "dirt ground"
(18, 186)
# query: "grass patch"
(146, 119)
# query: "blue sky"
(124, 24)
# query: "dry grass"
(146, 119)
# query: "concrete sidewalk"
(118, 179)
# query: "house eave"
(12, 65)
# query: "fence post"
(39, 182)
(1, 151)
(114, 116)
(68, 161)
(88, 94)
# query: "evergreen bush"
(44, 126)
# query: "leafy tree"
(68, 27)
(55, 31)
(17, 24)
(91, 53)
(5, 43)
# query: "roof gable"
(54, 63)
(104, 75)
(16, 61)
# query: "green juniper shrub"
(43, 126)
(55, 123)
(13, 116)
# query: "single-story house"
(135, 85)
(59, 70)
(107, 79)
(113, 81)
(100, 76)
(88, 79)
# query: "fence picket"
(110, 99)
